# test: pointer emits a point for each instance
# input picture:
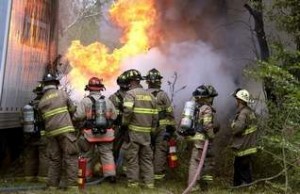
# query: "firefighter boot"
(112, 179)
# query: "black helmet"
(50, 78)
(133, 74)
(212, 91)
(153, 75)
(122, 79)
(201, 91)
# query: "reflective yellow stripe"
(197, 136)
(169, 109)
(55, 112)
(250, 130)
(143, 98)
(207, 178)
(159, 109)
(145, 110)
(128, 104)
(60, 131)
(166, 122)
(207, 119)
(246, 152)
(150, 186)
(159, 176)
(43, 133)
(134, 184)
(139, 128)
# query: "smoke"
(195, 62)
(196, 43)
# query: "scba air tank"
(188, 114)
(100, 113)
(28, 119)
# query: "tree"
(281, 135)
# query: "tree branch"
(260, 180)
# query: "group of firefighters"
(130, 129)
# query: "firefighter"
(140, 118)
(203, 130)
(98, 114)
(55, 107)
(165, 126)
(36, 162)
(244, 138)
(117, 99)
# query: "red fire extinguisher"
(82, 163)
(172, 156)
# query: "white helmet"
(243, 95)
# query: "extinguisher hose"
(199, 168)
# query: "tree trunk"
(263, 44)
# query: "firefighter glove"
(170, 129)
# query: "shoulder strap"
(93, 105)
(155, 92)
(121, 99)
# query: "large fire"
(136, 18)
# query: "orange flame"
(136, 18)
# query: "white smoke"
(195, 62)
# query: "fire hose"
(199, 168)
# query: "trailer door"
(5, 9)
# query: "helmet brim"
(94, 88)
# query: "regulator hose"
(199, 168)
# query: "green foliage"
(280, 128)
(287, 16)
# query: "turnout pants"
(36, 161)
(242, 170)
(160, 154)
(98, 152)
(206, 175)
(139, 159)
(63, 155)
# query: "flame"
(136, 18)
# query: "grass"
(169, 186)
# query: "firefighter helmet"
(122, 79)
(212, 91)
(50, 78)
(201, 91)
(243, 95)
(133, 74)
(95, 84)
(153, 75)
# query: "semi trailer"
(27, 44)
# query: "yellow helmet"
(243, 95)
